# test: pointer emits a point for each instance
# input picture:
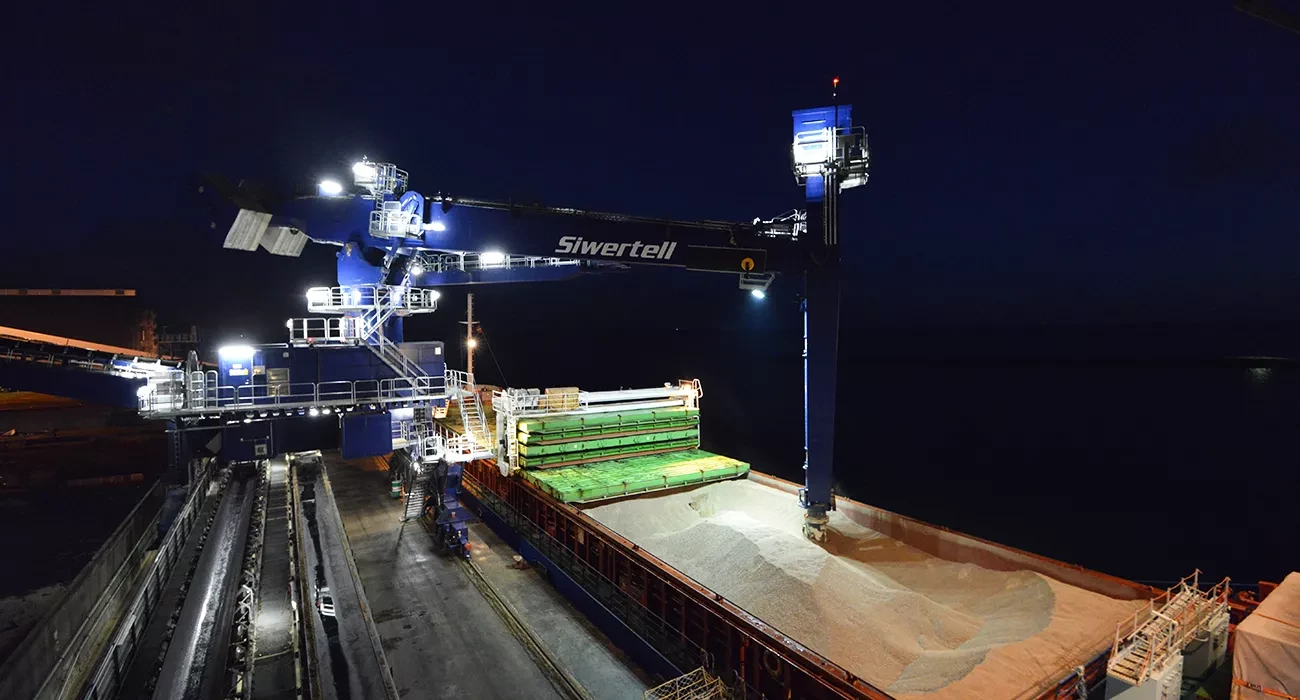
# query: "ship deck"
(451, 628)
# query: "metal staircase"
(1146, 642)
(362, 313)
(461, 385)
(415, 497)
(391, 355)
(366, 308)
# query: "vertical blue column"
(815, 142)
(821, 364)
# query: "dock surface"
(441, 635)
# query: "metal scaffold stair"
(1148, 641)
(471, 411)
(366, 309)
(471, 414)
(388, 352)
(415, 497)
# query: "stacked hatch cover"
(586, 446)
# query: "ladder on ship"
(416, 495)
(471, 409)
(366, 310)
(1149, 640)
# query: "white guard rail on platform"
(456, 447)
(523, 402)
(434, 441)
(469, 261)
(459, 382)
(172, 396)
(512, 405)
(361, 297)
(390, 221)
(313, 331)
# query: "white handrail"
(361, 297)
(172, 396)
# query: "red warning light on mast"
(835, 82)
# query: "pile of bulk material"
(910, 623)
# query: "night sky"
(1122, 161)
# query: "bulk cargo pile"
(908, 622)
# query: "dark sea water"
(1144, 453)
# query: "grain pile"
(909, 623)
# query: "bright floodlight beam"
(492, 257)
(417, 269)
(364, 172)
(471, 343)
(758, 293)
(235, 352)
(330, 188)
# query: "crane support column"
(829, 155)
(821, 310)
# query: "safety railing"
(173, 395)
(314, 331)
(417, 299)
(458, 447)
(813, 148)
(459, 381)
(430, 442)
(391, 222)
(470, 262)
(1129, 628)
(841, 152)
(533, 401)
(369, 296)
(379, 178)
(393, 356)
(408, 431)
(1166, 623)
